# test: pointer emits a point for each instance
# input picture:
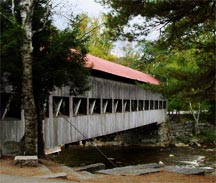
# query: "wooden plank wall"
(12, 129)
(66, 129)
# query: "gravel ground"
(47, 167)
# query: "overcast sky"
(63, 9)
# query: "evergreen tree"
(183, 58)
(49, 62)
(187, 28)
(99, 42)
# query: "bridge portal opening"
(94, 106)
(118, 105)
(10, 106)
(61, 106)
(141, 105)
(107, 105)
(126, 104)
(146, 104)
(79, 106)
(134, 106)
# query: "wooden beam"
(59, 106)
(125, 106)
(92, 106)
(116, 106)
(87, 105)
(7, 107)
(105, 106)
(77, 106)
(70, 107)
(50, 104)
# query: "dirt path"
(7, 167)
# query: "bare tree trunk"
(196, 118)
(40, 117)
(27, 8)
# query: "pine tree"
(36, 58)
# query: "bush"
(209, 134)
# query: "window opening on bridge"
(146, 104)
(134, 105)
(151, 104)
(79, 106)
(107, 105)
(118, 105)
(140, 105)
(160, 104)
(164, 105)
(61, 106)
(126, 106)
(156, 104)
(10, 106)
(94, 106)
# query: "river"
(76, 156)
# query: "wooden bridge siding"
(96, 125)
(108, 89)
(11, 130)
(57, 131)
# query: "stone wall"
(180, 131)
(149, 135)
(172, 132)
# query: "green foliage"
(10, 41)
(177, 16)
(58, 67)
(54, 65)
(99, 42)
(183, 58)
(208, 135)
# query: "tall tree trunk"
(27, 8)
(196, 118)
(40, 117)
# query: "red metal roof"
(118, 70)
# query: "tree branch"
(48, 8)
(12, 7)
(12, 21)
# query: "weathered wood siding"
(104, 88)
(66, 129)
(62, 129)
(11, 130)
(73, 127)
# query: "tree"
(179, 16)
(184, 55)
(37, 61)
(187, 27)
(99, 43)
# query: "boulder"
(61, 175)
(92, 168)
(26, 161)
(185, 170)
(11, 148)
(181, 145)
(133, 170)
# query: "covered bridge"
(113, 104)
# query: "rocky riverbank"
(47, 169)
(175, 132)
